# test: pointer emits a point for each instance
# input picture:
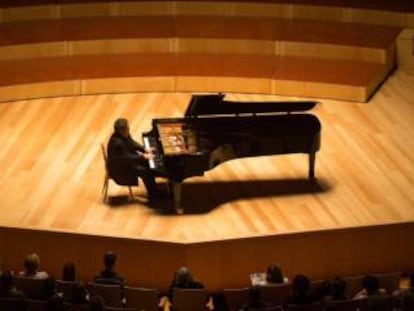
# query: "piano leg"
(312, 156)
(177, 197)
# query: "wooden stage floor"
(52, 171)
(246, 213)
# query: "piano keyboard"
(156, 162)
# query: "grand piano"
(215, 130)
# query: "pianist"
(128, 160)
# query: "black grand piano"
(214, 130)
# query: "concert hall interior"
(70, 68)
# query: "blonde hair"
(32, 263)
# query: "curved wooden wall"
(195, 46)
(386, 12)
(219, 264)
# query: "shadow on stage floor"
(203, 197)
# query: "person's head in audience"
(370, 284)
(301, 285)
(337, 288)
(96, 303)
(274, 274)
(109, 260)
(31, 264)
(69, 272)
(108, 275)
(183, 277)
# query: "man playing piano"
(128, 160)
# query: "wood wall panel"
(314, 89)
(202, 8)
(30, 13)
(196, 45)
(146, 8)
(186, 84)
(316, 12)
(33, 50)
(127, 85)
(222, 84)
(119, 46)
(39, 90)
(131, 8)
(375, 17)
(205, 45)
(261, 9)
(87, 9)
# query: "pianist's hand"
(148, 155)
(150, 150)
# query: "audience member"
(337, 289)
(183, 278)
(96, 304)
(6, 286)
(372, 297)
(370, 287)
(7, 290)
(219, 302)
(54, 302)
(255, 300)
(31, 266)
(69, 288)
(300, 291)
(69, 272)
(405, 297)
(274, 275)
(108, 275)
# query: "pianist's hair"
(120, 124)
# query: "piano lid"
(202, 105)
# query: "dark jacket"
(123, 158)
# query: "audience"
(219, 302)
(69, 272)
(405, 297)
(96, 304)
(6, 286)
(7, 290)
(255, 300)
(371, 297)
(370, 287)
(108, 275)
(69, 288)
(183, 278)
(274, 275)
(31, 266)
(300, 291)
(336, 290)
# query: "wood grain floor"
(52, 171)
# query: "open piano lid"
(213, 104)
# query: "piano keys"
(214, 131)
